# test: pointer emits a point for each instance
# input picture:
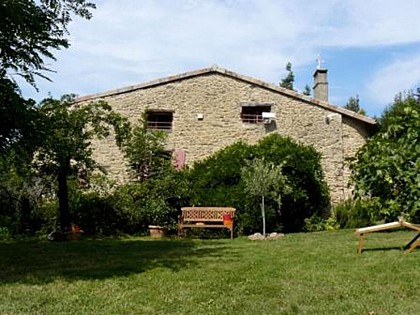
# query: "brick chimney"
(321, 85)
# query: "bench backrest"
(206, 214)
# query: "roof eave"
(223, 71)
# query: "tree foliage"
(217, 181)
(30, 30)
(353, 104)
(20, 190)
(388, 165)
(307, 90)
(18, 119)
(66, 147)
(288, 81)
(262, 180)
(145, 151)
(129, 208)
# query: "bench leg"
(360, 247)
(180, 231)
(415, 242)
(413, 246)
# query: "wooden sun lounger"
(415, 242)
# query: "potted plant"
(161, 217)
(157, 231)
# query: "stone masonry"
(206, 106)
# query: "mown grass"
(314, 273)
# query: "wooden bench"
(206, 217)
(415, 242)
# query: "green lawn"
(314, 273)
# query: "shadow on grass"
(38, 262)
(377, 249)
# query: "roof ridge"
(217, 69)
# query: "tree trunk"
(263, 213)
(63, 198)
(25, 214)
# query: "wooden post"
(413, 244)
(360, 247)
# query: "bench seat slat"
(206, 226)
(202, 220)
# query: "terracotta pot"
(157, 231)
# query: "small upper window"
(253, 114)
(159, 120)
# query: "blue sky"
(370, 47)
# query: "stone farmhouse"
(205, 110)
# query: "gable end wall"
(219, 98)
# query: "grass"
(316, 273)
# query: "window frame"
(154, 120)
(252, 114)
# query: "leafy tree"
(66, 146)
(30, 30)
(20, 190)
(307, 90)
(145, 151)
(353, 104)
(18, 119)
(158, 190)
(262, 179)
(20, 134)
(288, 81)
(388, 165)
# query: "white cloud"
(132, 41)
(401, 75)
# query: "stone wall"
(354, 136)
(219, 98)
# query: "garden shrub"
(216, 181)
(4, 234)
(388, 165)
(317, 224)
(152, 202)
(95, 214)
(356, 213)
(309, 194)
(45, 216)
(129, 208)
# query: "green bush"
(388, 165)
(216, 181)
(94, 214)
(4, 234)
(317, 224)
(357, 213)
(309, 194)
(45, 216)
(130, 208)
